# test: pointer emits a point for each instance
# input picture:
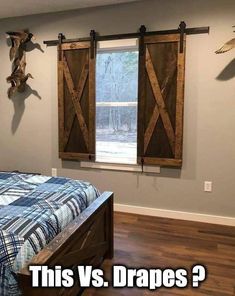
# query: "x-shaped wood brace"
(160, 107)
(76, 95)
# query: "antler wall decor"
(18, 78)
(227, 46)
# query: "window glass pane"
(116, 106)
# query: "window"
(116, 101)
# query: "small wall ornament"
(18, 78)
(227, 46)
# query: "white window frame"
(117, 46)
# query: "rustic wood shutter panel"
(161, 100)
(76, 90)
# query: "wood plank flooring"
(142, 241)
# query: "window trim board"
(121, 167)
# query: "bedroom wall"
(28, 124)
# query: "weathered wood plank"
(61, 102)
(74, 156)
(78, 256)
(141, 105)
(162, 38)
(164, 162)
(109, 222)
(180, 103)
(150, 129)
(92, 91)
(75, 45)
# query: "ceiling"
(12, 8)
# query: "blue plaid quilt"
(33, 210)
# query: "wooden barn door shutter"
(161, 100)
(76, 81)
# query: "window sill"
(121, 167)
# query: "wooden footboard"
(88, 240)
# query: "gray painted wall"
(28, 124)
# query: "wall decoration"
(18, 78)
(227, 46)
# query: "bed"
(50, 221)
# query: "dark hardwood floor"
(142, 241)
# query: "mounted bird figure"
(18, 82)
(18, 78)
(18, 41)
(227, 46)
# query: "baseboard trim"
(221, 220)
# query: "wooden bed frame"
(87, 240)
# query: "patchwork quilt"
(33, 210)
